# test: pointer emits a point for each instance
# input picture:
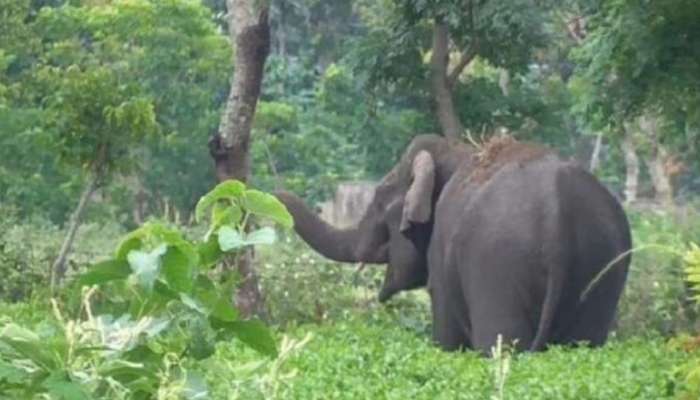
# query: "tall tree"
(453, 33)
(250, 36)
(637, 74)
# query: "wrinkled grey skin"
(509, 255)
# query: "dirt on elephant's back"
(502, 150)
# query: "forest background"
(115, 102)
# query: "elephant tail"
(550, 306)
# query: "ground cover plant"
(147, 314)
(119, 100)
(335, 340)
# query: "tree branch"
(464, 61)
(446, 113)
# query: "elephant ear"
(418, 201)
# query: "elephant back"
(503, 150)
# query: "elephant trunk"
(343, 245)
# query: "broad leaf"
(225, 214)
(192, 304)
(60, 387)
(132, 241)
(264, 235)
(230, 239)
(210, 251)
(177, 270)
(105, 271)
(230, 189)
(29, 345)
(11, 374)
(146, 265)
(224, 310)
(268, 206)
(253, 333)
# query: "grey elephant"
(510, 240)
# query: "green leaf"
(201, 346)
(254, 333)
(131, 242)
(104, 272)
(177, 270)
(192, 304)
(11, 374)
(61, 387)
(205, 292)
(230, 239)
(222, 214)
(268, 206)
(230, 189)
(28, 344)
(146, 265)
(224, 310)
(210, 251)
(264, 235)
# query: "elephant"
(509, 238)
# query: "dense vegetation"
(113, 102)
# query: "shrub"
(656, 298)
(28, 248)
(147, 315)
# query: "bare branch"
(464, 61)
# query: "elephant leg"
(448, 332)
(514, 331)
(596, 314)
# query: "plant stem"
(58, 269)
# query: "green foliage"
(90, 81)
(27, 249)
(656, 297)
(378, 357)
(689, 371)
(310, 138)
(691, 259)
(503, 33)
(632, 59)
(171, 313)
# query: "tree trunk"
(447, 116)
(250, 36)
(631, 167)
(58, 269)
(595, 154)
(657, 161)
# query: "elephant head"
(396, 228)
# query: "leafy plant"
(148, 314)
(688, 372)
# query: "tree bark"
(447, 116)
(58, 269)
(250, 36)
(657, 161)
(595, 154)
(631, 167)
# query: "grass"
(338, 342)
(378, 358)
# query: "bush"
(147, 315)
(303, 287)
(656, 297)
(27, 250)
